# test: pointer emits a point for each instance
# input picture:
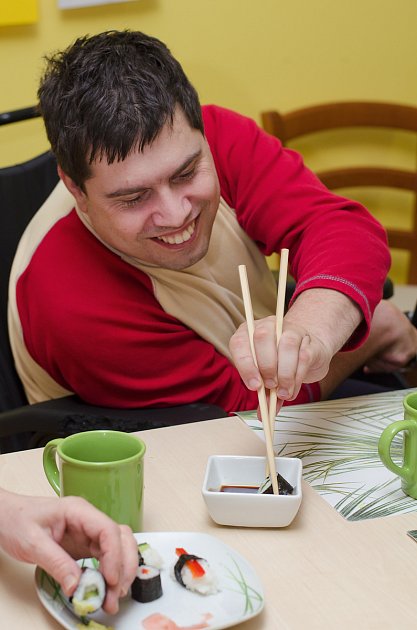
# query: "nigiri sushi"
(195, 573)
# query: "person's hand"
(50, 532)
(300, 358)
(315, 327)
(395, 339)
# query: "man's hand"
(314, 329)
(300, 358)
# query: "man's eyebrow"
(187, 163)
(131, 190)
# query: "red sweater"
(93, 323)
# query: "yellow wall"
(22, 12)
(242, 54)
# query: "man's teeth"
(177, 239)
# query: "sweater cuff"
(352, 291)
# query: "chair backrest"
(23, 189)
(343, 115)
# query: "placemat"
(338, 443)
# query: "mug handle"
(384, 446)
(49, 464)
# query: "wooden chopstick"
(263, 404)
(282, 285)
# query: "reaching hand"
(394, 338)
(51, 532)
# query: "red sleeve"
(92, 322)
(334, 243)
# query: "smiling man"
(158, 204)
(125, 287)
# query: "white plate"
(241, 596)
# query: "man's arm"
(312, 354)
(334, 243)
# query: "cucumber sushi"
(149, 556)
(195, 573)
(90, 592)
(146, 587)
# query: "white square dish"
(249, 509)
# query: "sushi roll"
(149, 556)
(195, 573)
(284, 487)
(146, 587)
(90, 592)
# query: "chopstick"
(263, 404)
(282, 285)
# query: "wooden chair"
(343, 115)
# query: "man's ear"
(80, 196)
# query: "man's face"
(158, 205)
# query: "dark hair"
(108, 94)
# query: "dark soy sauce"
(283, 485)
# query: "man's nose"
(172, 209)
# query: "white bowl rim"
(298, 464)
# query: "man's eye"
(186, 175)
(129, 203)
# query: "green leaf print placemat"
(338, 443)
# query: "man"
(125, 287)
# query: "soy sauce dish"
(231, 490)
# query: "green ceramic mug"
(408, 470)
(104, 467)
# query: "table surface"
(320, 572)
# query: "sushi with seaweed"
(146, 587)
(195, 573)
(90, 593)
(149, 556)
(284, 486)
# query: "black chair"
(23, 189)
